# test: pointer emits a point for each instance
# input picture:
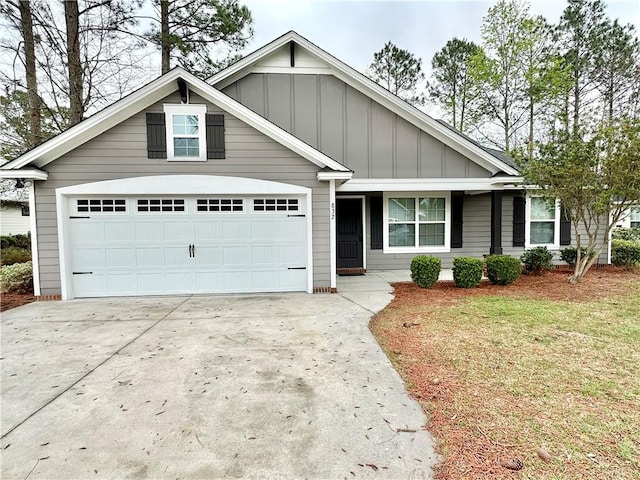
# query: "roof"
(499, 154)
(143, 98)
(454, 139)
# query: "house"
(277, 174)
(14, 217)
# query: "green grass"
(538, 374)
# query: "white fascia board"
(324, 176)
(419, 184)
(100, 122)
(370, 89)
(31, 174)
(261, 124)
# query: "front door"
(349, 234)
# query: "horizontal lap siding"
(121, 152)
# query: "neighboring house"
(631, 220)
(14, 217)
(277, 174)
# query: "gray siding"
(476, 237)
(121, 152)
(350, 127)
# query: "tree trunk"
(531, 129)
(26, 25)
(74, 65)
(165, 41)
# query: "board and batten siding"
(350, 127)
(121, 152)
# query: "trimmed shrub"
(11, 255)
(503, 269)
(632, 234)
(570, 255)
(17, 277)
(467, 272)
(537, 260)
(625, 253)
(19, 241)
(425, 270)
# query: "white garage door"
(146, 245)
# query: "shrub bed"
(625, 253)
(570, 255)
(467, 272)
(11, 255)
(16, 278)
(425, 270)
(503, 269)
(537, 260)
(19, 241)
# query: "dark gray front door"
(349, 234)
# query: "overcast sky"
(353, 30)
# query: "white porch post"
(332, 232)
(34, 239)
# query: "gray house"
(277, 174)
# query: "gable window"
(543, 222)
(186, 132)
(417, 223)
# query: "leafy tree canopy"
(399, 71)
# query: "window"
(417, 223)
(161, 205)
(543, 224)
(219, 205)
(634, 218)
(25, 210)
(102, 205)
(186, 132)
(275, 205)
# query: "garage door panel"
(121, 232)
(147, 253)
(207, 230)
(120, 257)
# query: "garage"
(156, 244)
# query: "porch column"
(332, 234)
(496, 223)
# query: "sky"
(353, 30)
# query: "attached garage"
(148, 236)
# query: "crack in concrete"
(92, 370)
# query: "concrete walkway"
(263, 386)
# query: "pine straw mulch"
(469, 452)
(13, 300)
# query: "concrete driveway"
(269, 386)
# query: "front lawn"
(538, 372)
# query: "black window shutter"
(156, 136)
(565, 228)
(215, 136)
(518, 221)
(375, 214)
(457, 207)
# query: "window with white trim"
(417, 222)
(159, 205)
(543, 222)
(186, 132)
(275, 205)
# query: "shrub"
(503, 269)
(467, 272)
(11, 255)
(425, 270)
(19, 241)
(17, 277)
(625, 253)
(632, 234)
(537, 260)
(570, 255)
